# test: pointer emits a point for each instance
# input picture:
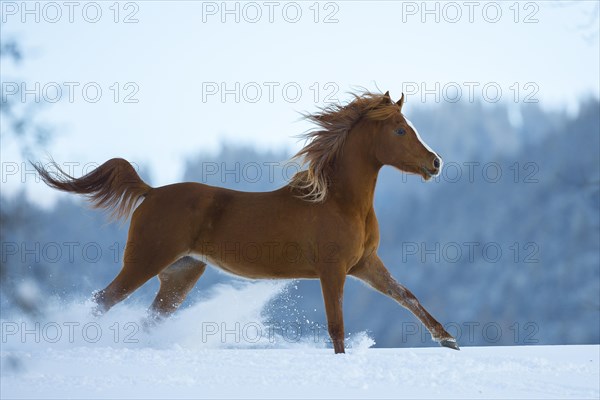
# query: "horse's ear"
(401, 101)
(387, 98)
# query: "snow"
(212, 350)
(479, 372)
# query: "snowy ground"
(215, 350)
(482, 372)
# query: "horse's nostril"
(436, 162)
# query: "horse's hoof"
(151, 321)
(450, 343)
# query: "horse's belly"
(255, 268)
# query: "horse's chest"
(358, 238)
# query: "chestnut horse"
(325, 214)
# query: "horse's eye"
(400, 131)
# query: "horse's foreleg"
(373, 272)
(332, 285)
(176, 281)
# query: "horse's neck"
(355, 174)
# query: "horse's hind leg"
(140, 263)
(176, 281)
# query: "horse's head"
(398, 144)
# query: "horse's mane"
(326, 141)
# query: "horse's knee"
(405, 297)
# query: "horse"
(325, 213)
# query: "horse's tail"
(114, 186)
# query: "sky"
(159, 82)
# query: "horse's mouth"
(427, 174)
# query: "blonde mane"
(326, 141)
